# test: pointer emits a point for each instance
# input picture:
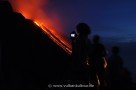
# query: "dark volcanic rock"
(30, 59)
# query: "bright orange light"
(105, 62)
(36, 23)
(55, 37)
(35, 10)
(98, 81)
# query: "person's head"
(96, 39)
(115, 50)
(83, 29)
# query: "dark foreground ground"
(30, 60)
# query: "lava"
(34, 10)
(58, 40)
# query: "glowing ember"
(105, 62)
(58, 40)
(98, 81)
(87, 61)
(37, 23)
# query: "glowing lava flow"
(47, 20)
(57, 39)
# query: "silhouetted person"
(80, 52)
(73, 37)
(116, 63)
(98, 55)
(120, 76)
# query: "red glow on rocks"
(34, 9)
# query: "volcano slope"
(29, 58)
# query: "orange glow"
(36, 23)
(35, 10)
(87, 61)
(105, 63)
(98, 81)
(58, 40)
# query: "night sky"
(113, 20)
(110, 18)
